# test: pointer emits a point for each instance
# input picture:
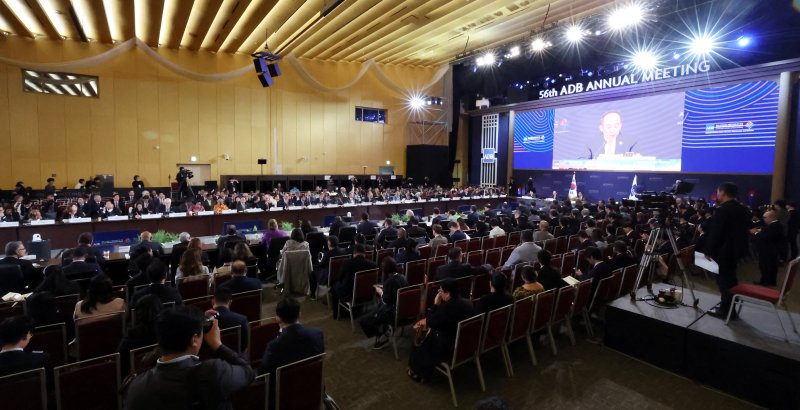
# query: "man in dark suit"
(177, 251)
(387, 232)
(727, 242)
(366, 227)
(319, 276)
(455, 232)
(769, 241)
(145, 240)
(137, 184)
(239, 281)
(221, 303)
(549, 277)
(15, 334)
(454, 268)
(95, 206)
(472, 217)
(599, 271)
(157, 273)
(14, 251)
(630, 235)
(343, 289)
(295, 341)
(232, 237)
(86, 241)
(79, 267)
(119, 205)
(414, 230)
(621, 259)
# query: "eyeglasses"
(20, 249)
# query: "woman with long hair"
(243, 253)
(196, 243)
(296, 242)
(191, 265)
(99, 300)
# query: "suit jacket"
(349, 269)
(444, 319)
(457, 236)
(158, 250)
(165, 293)
(11, 280)
(239, 284)
(620, 261)
(229, 238)
(16, 361)
(770, 241)
(295, 342)
(92, 252)
(453, 270)
(76, 268)
(598, 272)
(414, 231)
(105, 212)
(494, 300)
(175, 256)
(227, 319)
(208, 383)
(622, 146)
(95, 209)
(366, 227)
(728, 235)
(550, 278)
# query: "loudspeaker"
(266, 79)
(262, 161)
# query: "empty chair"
(474, 245)
(581, 304)
(302, 376)
(139, 356)
(335, 265)
(11, 309)
(383, 253)
(415, 271)
(425, 251)
(253, 397)
(475, 258)
(493, 256)
(494, 334)
(99, 336)
(519, 328)
(363, 293)
(248, 304)
(442, 250)
(203, 303)
(514, 238)
(463, 244)
(194, 287)
(487, 243)
(561, 244)
(606, 291)
(261, 333)
(431, 289)
(573, 241)
(406, 312)
(551, 245)
(51, 339)
(556, 261)
(543, 305)
(465, 285)
(562, 312)
(569, 264)
(467, 349)
(78, 385)
(481, 286)
(506, 253)
(628, 280)
(24, 390)
(317, 244)
(433, 266)
(346, 235)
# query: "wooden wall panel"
(5, 130)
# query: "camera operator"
(180, 380)
(183, 177)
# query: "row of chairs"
(75, 387)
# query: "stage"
(748, 359)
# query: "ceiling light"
(644, 60)
(513, 52)
(743, 41)
(702, 45)
(574, 34)
(486, 59)
(539, 44)
(416, 103)
(626, 16)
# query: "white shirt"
(496, 231)
(177, 359)
(610, 148)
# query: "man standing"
(181, 380)
(769, 241)
(727, 243)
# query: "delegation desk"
(64, 235)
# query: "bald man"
(769, 240)
(543, 233)
(613, 142)
(145, 240)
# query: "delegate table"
(64, 235)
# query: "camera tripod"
(648, 264)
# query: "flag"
(573, 189)
(633, 189)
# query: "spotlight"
(416, 103)
(743, 41)
(644, 60)
(702, 45)
(574, 34)
(626, 16)
(676, 56)
(539, 44)
(486, 59)
(512, 52)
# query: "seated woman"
(531, 285)
(378, 323)
(56, 283)
(243, 253)
(442, 323)
(143, 331)
(35, 215)
(191, 266)
(196, 243)
(99, 300)
(498, 297)
(227, 259)
(138, 210)
(220, 206)
(296, 242)
(271, 233)
(72, 212)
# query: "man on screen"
(613, 142)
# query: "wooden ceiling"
(410, 32)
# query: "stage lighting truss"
(267, 68)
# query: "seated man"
(455, 268)
(455, 232)
(79, 267)
(230, 240)
(599, 271)
(15, 334)
(543, 233)
(295, 341)
(14, 251)
(366, 227)
(181, 380)
(319, 276)
(343, 289)
(86, 241)
(239, 281)
(145, 241)
(157, 273)
(221, 303)
(525, 251)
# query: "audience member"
(80, 267)
(496, 229)
(239, 281)
(15, 250)
(99, 301)
(454, 268)
(456, 234)
(530, 285)
(271, 233)
(191, 266)
(221, 303)
(378, 322)
(56, 283)
(343, 289)
(157, 275)
(295, 341)
(525, 251)
(319, 276)
(769, 242)
(145, 240)
(549, 277)
(15, 334)
(498, 297)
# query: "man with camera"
(180, 380)
(183, 177)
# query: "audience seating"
(231, 337)
(474, 244)
(219, 280)
(573, 241)
(519, 327)
(500, 241)
(494, 334)
(89, 384)
(481, 286)
(543, 305)
(248, 304)
(556, 262)
(463, 244)
(581, 304)
(764, 297)
(334, 273)
(475, 258)
(194, 287)
(51, 339)
(493, 256)
(569, 264)
(346, 235)
(433, 266)
(467, 349)
(514, 238)
(203, 303)
(551, 245)
(431, 289)
(407, 311)
(425, 251)
(382, 254)
(488, 243)
(137, 356)
(261, 333)
(628, 280)
(11, 309)
(506, 254)
(302, 376)
(562, 313)
(363, 293)
(561, 244)
(24, 390)
(253, 397)
(442, 250)
(606, 291)
(98, 337)
(415, 271)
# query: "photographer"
(180, 380)
(183, 177)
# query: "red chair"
(231, 337)
(573, 241)
(248, 304)
(335, 265)
(606, 291)
(51, 339)
(193, 288)
(406, 311)
(467, 349)
(551, 245)
(433, 266)
(220, 279)
(494, 334)
(542, 313)
(481, 286)
(465, 285)
(628, 280)
(562, 313)
(474, 245)
(561, 244)
(415, 271)
(67, 303)
(519, 328)
(581, 304)
(431, 289)
(493, 257)
(500, 241)
(556, 262)
(98, 336)
(363, 293)
(382, 254)
(203, 303)
(569, 264)
(514, 238)
(475, 258)
(302, 376)
(463, 244)
(488, 243)
(78, 385)
(24, 390)
(441, 250)
(425, 251)
(137, 358)
(765, 297)
(253, 397)
(261, 333)
(506, 253)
